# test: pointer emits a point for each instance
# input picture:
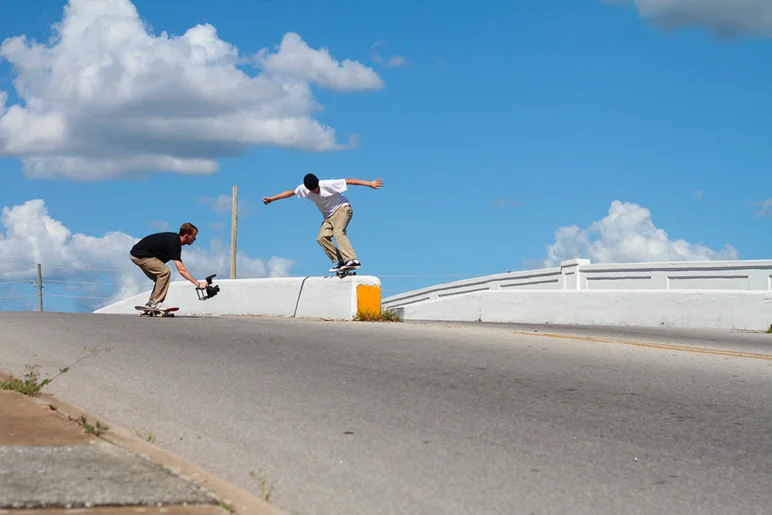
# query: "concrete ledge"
(696, 309)
(306, 297)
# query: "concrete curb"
(236, 499)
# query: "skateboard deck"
(144, 310)
(347, 270)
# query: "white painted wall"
(306, 297)
(705, 294)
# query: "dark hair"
(188, 228)
(310, 181)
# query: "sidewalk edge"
(240, 500)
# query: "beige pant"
(157, 272)
(335, 227)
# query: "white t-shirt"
(329, 198)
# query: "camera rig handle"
(210, 290)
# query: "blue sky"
(499, 127)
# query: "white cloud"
(295, 59)
(30, 236)
(158, 225)
(223, 204)
(726, 18)
(106, 98)
(626, 235)
(218, 204)
(217, 260)
(394, 61)
(765, 207)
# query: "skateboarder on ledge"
(152, 252)
(337, 213)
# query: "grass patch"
(387, 315)
(31, 384)
(264, 487)
(96, 429)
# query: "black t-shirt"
(163, 245)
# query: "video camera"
(210, 291)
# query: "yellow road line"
(663, 346)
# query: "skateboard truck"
(210, 291)
(346, 271)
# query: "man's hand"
(282, 195)
(202, 285)
(376, 184)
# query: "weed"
(32, 384)
(227, 506)
(387, 315)
(149, 437)
(96, 430)
(263, 485)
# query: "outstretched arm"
(376, 184)
(285, 194)
(184, 273)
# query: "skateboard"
(347, 270)
(144, 310)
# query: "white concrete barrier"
(306, 297)
(705, 294)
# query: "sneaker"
(337, 267)
(352, 263)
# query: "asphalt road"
(415, 418)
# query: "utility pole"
(234, 224)
(40, 288)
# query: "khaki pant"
(156, 271)
(335, 227)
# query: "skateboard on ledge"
(144, 310)
(346, 270)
